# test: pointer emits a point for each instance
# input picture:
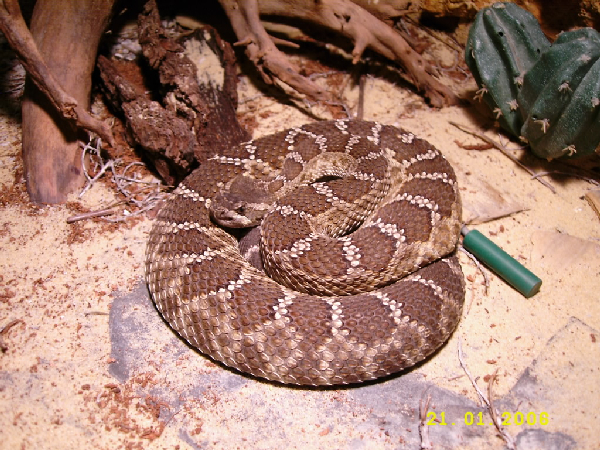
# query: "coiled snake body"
(354, 209)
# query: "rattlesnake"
(353, 304)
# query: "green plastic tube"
(504, 265)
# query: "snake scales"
(353, 304)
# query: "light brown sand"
(56, 390)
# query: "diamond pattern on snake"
(352, 274)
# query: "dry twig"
(423, 426)
(360, 110)
(479, 267)
(122, 181)
(487, 401)
(4, 330)
(504, 151)
(568, 174)
(90, 215)
(96, 313)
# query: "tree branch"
(343, 16)
(21, 41)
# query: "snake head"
(232, 214)
(241, 204)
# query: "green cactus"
(504, 43)
(561, 95)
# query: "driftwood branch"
(261, 50)
(20, 39)
(58, 52)
(343, 16)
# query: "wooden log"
(67, 34)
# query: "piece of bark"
(198, 75)
(58, 55)
(167, 139)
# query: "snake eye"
(240, 209)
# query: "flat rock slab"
(152, 362)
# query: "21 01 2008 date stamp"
(506, 418)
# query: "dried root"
(343, 16)
(139, 194)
